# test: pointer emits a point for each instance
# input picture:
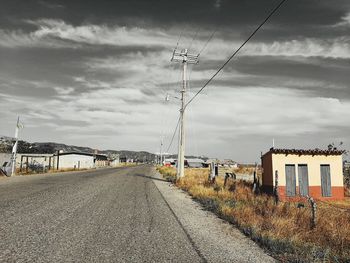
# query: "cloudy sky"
(95, 73)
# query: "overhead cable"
(172, 138)
(234, 54)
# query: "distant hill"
(6, 144)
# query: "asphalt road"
(110, 215)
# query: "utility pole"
(185, 59)
(14, 149)
(161, 149)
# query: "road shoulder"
(216, 240)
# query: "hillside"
(52, 147)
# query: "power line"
(243, 44)
(194, 38)
(172, 138)
(178, 40)
(206, 43)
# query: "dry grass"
(284, 229)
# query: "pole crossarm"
(183, 56)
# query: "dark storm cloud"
(330, 75)
(239, 15)
(106, 64)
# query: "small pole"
(161, 153)
(225, 181)
(20, 168)
(212, 173)
(27, 164)
(313, 206)
(255, 175)
(58, 159)
(275, 191)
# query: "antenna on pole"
(185, 58)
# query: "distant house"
(317, 173)
(169, 162)
(194, 163)
(346, 165)
(80, 160)
(228, 163)
(115, 161)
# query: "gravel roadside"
(215, 239)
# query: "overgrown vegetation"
(347, 181)
(284, 230)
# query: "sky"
(96, 73)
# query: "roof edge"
(305, 151)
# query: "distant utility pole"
(185, 59)
(14, 149)
(161, 149)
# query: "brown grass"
(285, 229)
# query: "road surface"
(110, 215)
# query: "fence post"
(212, 173)
(313, 211)
(58, 160)
(21, 166)
(275, 190)
(226, 177)
(255, 181)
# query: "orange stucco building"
(317, 173)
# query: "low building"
(194, 163)
(229, 163)
(114, 160)
(170, 162)
(79, 160)
(346, 165)
(75, 160)
(316, 173)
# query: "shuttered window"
(303, 177)
(290, 180)
(326, 180)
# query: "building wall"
(272, 162)
(101, 163)
(313, 163)
(76, 160)
(115, 163)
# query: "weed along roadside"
(286, 229)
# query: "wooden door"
(303, 180)
(290, 180)
(326, 180)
